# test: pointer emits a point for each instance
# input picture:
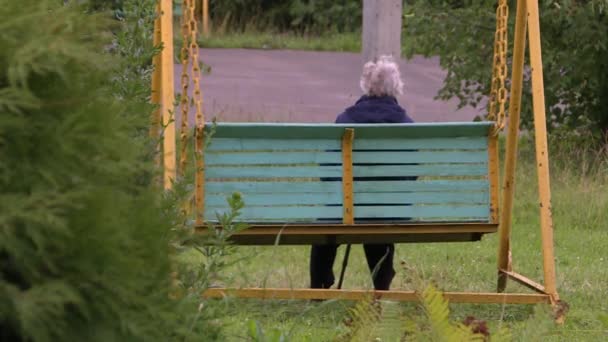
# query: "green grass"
(580, 214)
(346, 42)
(268, 40)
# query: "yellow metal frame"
(528, 9)
(312, 234)
(494, 177)
(527, 22)
(348, 216)
(163, 90)
(402, 296)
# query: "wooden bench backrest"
(290, 173)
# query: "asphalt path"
(304, 86)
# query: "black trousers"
(379, 259)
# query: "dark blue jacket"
(369, 109)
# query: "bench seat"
(408, 183)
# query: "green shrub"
(574, 38)
(299, 15)
(83, 239)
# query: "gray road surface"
(304, 86)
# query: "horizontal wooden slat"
(294, 198)
(273, 187)
(273, 158)
(241, 144)
(405, 296)
(421, 157)
(360, 186)
(320, 198)
(369, 228)
(324, 233)
(336, 171)
(296, 130)
(421, 170)
(273, 172)
(315, 157)
(423, 212)
(287, 214)
(373, 238)
(293, 144)
(447, 185)
(421, 198)
(464, 143)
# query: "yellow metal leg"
(542, 153)
(155, 118)
(494, 177)
(508, 191)
(167, 96)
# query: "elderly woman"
(380, 82)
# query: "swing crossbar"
(401, 296)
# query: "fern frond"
(438, 312)
(362, 318)
(391, 325)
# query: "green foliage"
(440, 327)
(213, 248)
(575, 55)
(350, 42)
(83, 239)
(257, 333)
(372, 320)
(97, 5)
(298, 15)
(461, 33)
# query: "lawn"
(345, 42)
(580, 214)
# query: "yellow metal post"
(542, 153)
(508, 190)
(166, 93)
(206, 18)
(494, 177)
(155, 118)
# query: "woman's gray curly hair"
(381, 78)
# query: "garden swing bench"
(329, 183)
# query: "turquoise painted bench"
(411, 182)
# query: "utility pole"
(382, 28)
(205, 18)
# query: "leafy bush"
(575, 55)
(299, 15)
(83, 239)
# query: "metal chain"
(199, 118)
(498, 93)
(185, 83)
(195, 65)
(190, 65)
(191, 72)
